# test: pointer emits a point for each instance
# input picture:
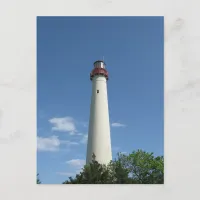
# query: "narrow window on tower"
(97, 91)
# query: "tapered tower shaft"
(99, 141)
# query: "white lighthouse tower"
(99, 141)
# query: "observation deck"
(99, 69)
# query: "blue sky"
(133, 49)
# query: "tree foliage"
(143, 167)
(38, 179)
(139, 167)
(94, 173)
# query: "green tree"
(94, 173)
(139, 167)
(143, 167)
(38, 179)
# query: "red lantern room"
(99, 69)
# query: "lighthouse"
(99, 141)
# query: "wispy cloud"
(76, 166)
(48, 144)
(65, 173)
(69, 143)
(69, 174)
(78, 163)
(117, 125)
(84, 139)
(65, 124)
(52, 143)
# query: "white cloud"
(69, 143)
(118, 125)
(78, 163)
(65, 124)
(84, 139)
(52, 143)
(48, 144)
(70, 174)
(65, 173)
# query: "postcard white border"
(18, 98)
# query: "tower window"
(97, 91)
